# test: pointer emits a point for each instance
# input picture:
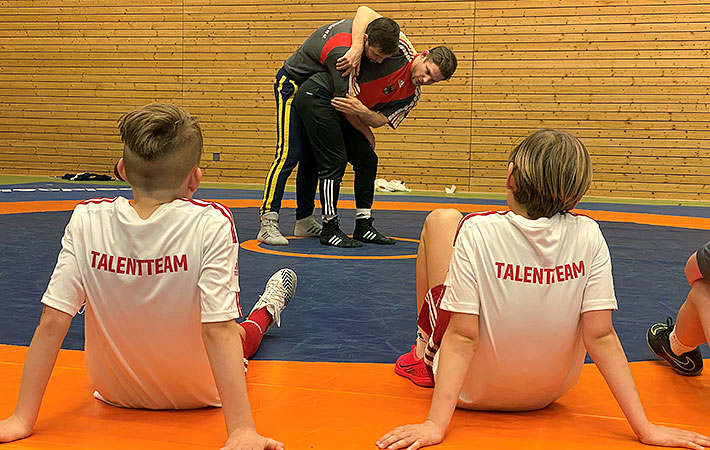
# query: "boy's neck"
(516, 207)
(145, 204)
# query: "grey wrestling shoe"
(269, 232)
(277, 294)
(658, 340)
(307, 227)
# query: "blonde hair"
(551, 170)
(162, 144)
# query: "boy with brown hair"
(526, 292)
(159, 278)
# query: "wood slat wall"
(629, 77)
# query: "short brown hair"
(383, 34)
(445, 60)
(162, 144)
(551, 170)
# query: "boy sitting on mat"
(160, 282)
(505, 328)
(679, 344)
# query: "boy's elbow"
(54, 321)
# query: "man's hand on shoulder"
(249, 439)
(350, 62)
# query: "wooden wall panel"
(629, 77)
(69, 69)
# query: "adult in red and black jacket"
(315, 55)
(338, 115)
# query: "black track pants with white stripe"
(335, 143)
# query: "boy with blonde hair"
(159, 278)
(531, 289)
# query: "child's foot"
(278, 292)
(657, 337)
(409, 366)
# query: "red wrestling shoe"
(409, 366)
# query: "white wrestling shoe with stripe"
(269, 232)
(277, 294)
(307, 227)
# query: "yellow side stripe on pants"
(284, 119)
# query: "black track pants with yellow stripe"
(292, 148)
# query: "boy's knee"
(443, 217)
(700, 294)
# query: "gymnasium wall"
(629, 77)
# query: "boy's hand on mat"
(412, 437)
(12, 429)
(672, 437)
(249, 439)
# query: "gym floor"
(325, 379)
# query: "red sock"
(254, 327)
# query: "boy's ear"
(193, 180)
(120, 170)
(509, 180)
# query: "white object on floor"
(391, 186)
(450, 190)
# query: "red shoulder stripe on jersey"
(97, 200)
(219, 207)
(337, 40)
(478, 214)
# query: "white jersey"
(529, 281)
(148, 286)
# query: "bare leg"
(693, 322)
(434, 254)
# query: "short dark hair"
(445, 59)
(383, 33)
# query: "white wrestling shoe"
(277, 294)
(269, 232)
(307, 227)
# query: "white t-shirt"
(148, 285)
(529, 281)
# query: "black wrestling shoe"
(331, 234)
(365, 232)
(657, 337)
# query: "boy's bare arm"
(458, 347)
(604, 347)
(226, 356)
(41, 356)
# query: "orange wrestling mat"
(698, 223)
(339, 406)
